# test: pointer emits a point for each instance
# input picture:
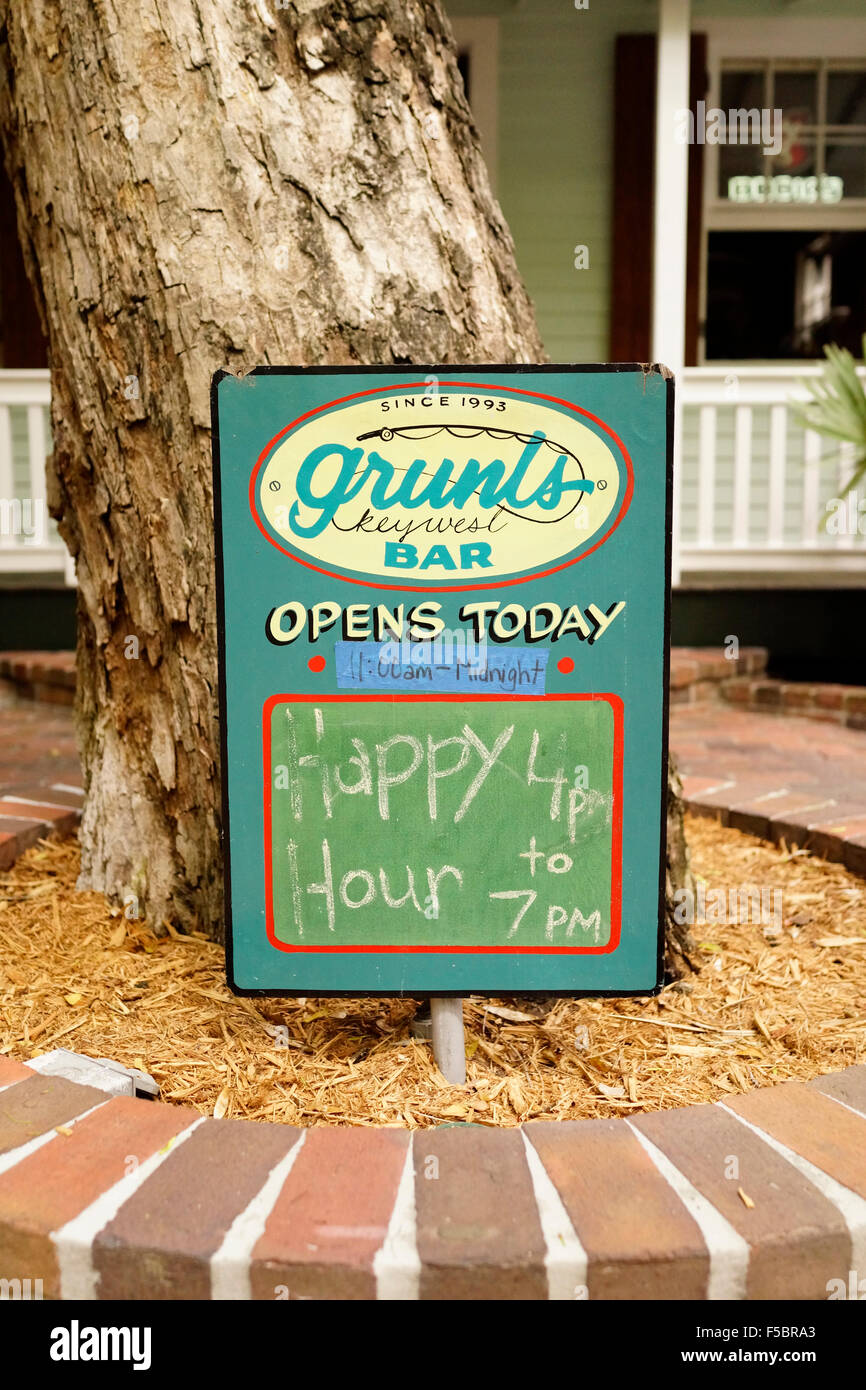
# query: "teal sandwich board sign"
(443, 605)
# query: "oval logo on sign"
(459, 488)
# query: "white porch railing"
(755, 488)
(30, 548)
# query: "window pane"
(742, 89)
(737, 161)
(797, 95)
(846, 98)
(797, 152)
(847, 161)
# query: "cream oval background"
(518, 544)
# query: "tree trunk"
(200, 185)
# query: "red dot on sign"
(565, 665)
(318, 663)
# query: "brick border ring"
(762, 1197)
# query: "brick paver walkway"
(40, 777)
(777, 777)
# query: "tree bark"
(200, 185)
(680, 951)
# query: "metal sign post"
(449, 1044)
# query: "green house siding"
(554, 136)
(555, 123)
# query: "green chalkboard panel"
(442, 606)
(385, 829)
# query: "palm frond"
(836, 407)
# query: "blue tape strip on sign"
(423, 666)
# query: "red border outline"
(443, 588)
(617, 708)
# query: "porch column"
(670, 215)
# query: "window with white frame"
(814, 112)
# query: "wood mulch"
(771, 1002)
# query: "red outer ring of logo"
(443, 588)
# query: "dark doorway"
(784, 294)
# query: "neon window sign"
(786, 188)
